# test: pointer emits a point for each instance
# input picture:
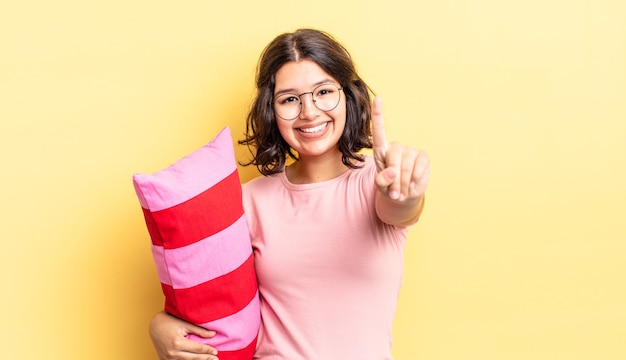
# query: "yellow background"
(521, 253)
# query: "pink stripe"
(204, 260)
(236, 331)
(189, 176)
(161, 268)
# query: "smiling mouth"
(314, 129)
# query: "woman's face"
(314, 132)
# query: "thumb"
(385, 178)
(199, 331)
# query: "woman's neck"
(317, 169)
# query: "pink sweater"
(329, 270)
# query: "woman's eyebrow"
(293, 91)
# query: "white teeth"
(314, 129)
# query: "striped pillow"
(201, 245)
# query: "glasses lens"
(287, 106)
(326, 97)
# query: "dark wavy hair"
(269, 150)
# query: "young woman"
(328, 225)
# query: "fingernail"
(394, 195)
(402, 197)
(412, 184)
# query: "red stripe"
(199, 217)
(170, 300)
(153, 230)
(214, 299)
(242, 354)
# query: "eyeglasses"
(325, 97)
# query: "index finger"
(379, 137)
(378, 124)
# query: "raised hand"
(402, 172)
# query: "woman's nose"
(309, 109)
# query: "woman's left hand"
(403, 172)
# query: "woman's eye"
(288, 99)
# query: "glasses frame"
(339, 88)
